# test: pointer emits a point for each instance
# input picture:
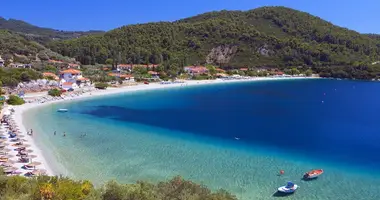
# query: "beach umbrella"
(38, 172)
(31, 157)
(5, 150)
(7, 156)
(10, 169)
(22, 146)
(34, 164)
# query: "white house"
(71, 78)
(2, 62)
(68, 85)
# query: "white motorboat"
(62, 110)
(288, 188)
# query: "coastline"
(20, 110)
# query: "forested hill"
(40, 34)
(267, 36)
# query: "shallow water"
(295, 125)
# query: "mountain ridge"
(270, 36)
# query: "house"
(2, 62)
(195, 70)
(220, 70)
(73, 66)
(69, 85)
(72, 76)
(51, 75)
(55, 62)
(124, 67)
(154, 74)
(243, 69)
(19, 65)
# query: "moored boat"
(288, 188)
(62, 110)
(313, 174)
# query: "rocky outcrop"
(264, 51)
(34, 86)
(221, 54)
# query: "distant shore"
(20, 110)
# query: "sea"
(232, 136)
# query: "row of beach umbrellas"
(20, 146)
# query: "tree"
(25, 77)
(211, 70)
(109, 61)
(308, 72)
(295, 71)
(55, 92)
(15, 100)
(101, 85)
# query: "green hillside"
(40, 34)
(20, 49)
(267, 36)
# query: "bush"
(101, 86)
(55, 92)
(15, 100)
(46, 187)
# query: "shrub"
(15, 100)
(55, 92)
(101, 86)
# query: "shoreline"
(20, 110)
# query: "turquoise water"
(155, 135)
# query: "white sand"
(19, 110)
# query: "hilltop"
(266, 36)
(40, 34)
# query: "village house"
(71, 78)
(2, 62)
(243, 69)
(195, 70)
(154, 74)
(19, 65)
(73, 66)
(50, 75)
(126, 77)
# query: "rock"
(221, 54)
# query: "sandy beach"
(19, 110)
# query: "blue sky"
(362, 16)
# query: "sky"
(81, 15)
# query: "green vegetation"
(40, 34)
(19, 49)
(11, 77)
(50, 188)
(101, 85)
(15, 100)
(55, 92)
(267, 36)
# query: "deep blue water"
(323, 119)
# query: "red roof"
(49, 74)
(243, 69)
(73, 65)
(83, 79)
(55, 61)
(67, 83)
(70, 71)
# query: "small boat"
(313, 174)
(62, 110)
(288, 188)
